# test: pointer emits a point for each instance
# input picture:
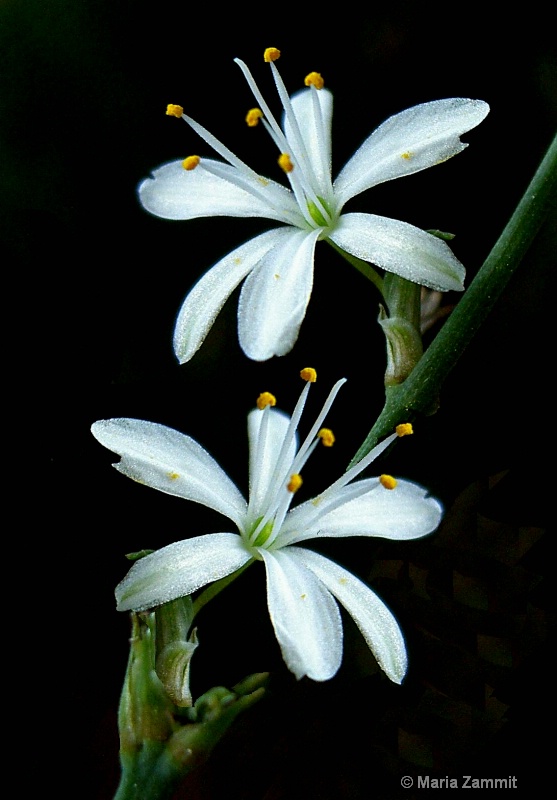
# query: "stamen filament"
(290, 115)
(294, 177)
(245, 182)
(305, 163)
(322, 505)
(263, 105)
(280, 140)
(284, 499)
(219, 147)
(350, 474)
(277, 135)
(280, 467)
(301, 458)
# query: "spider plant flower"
(277, 266)
(303, 586)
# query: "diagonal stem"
(419, 391)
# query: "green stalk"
(215, 588)
(160, 743)
(362, 266)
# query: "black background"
(92, 287)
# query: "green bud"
(404, 347)
(401, 326)
(174, 648)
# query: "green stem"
(419, 391)
(362, 266)
(160, 744)
(214, 588)
(154, 778)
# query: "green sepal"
(138, 554)
(446, 237)
(174, 648)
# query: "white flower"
(301, 584)
(278, 265)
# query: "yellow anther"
(173, 475)
(190, 162)
(404, 429)
(266, 399)
(174, 111)
(285, 163)
(271, 54)
(253, 116)
(308, 374)
(407, 156)
(327, 437)
(294, 483)
(314, 79)
(387, 481)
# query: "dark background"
(92, 287)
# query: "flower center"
(270, 503)
(263, 534)
(317, 215)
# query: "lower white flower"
(302, 585)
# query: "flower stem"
(418, 393)
(362, 266)
(214, 588)
(160, 744)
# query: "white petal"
(314, 123)
(165, 459)
(366, 508)
(274, 297)
(377, 624)
(180, 569)
(203, 303)
(305, 617)
(266, 433)
(176, 193)
(408, 142)
(400, 248)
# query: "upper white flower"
(301, 584)
(278, 264)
